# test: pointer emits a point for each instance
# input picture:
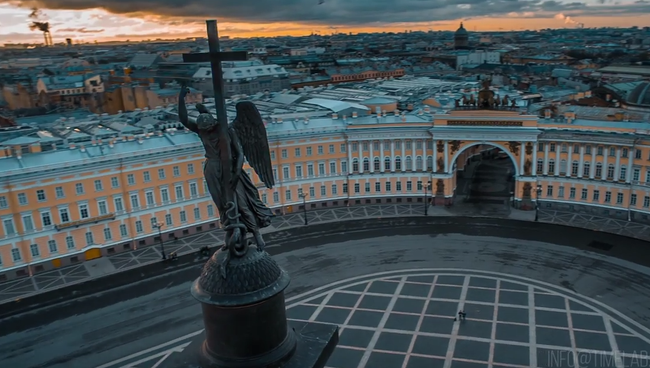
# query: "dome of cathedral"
(640, 95)
(461, 30)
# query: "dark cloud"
(340, 12)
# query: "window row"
(598, 171)
(588, 150)
(388, 162)
(98, 184)
(107, 235)
(320, 150)
(386, 145)
(608, 197)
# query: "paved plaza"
(405, 319)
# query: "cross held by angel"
(247, 140)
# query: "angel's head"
(205, 121)
(201, 108)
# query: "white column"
(603, 175)
(533, 170)
(381, 157)
(360, 147)
(349, 157)
(371, 149)
(403, 153)
(446, 156)
(582, 161)
(630, 166)
(424, 155)
(546, 158)
(435, 157)
(557, 159)
(522, 153)
(392, 155)
(569, 161)
(414, 153)
(617, 166)
(592, 169)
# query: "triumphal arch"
(474, 126)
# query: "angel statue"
(247, 139)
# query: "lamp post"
(303, 196)
(538, 191)
(427, 186)
(159, 226)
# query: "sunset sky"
(90, 20)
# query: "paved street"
(528, 293)
(17, 289)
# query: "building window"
(28, 223)
(287, 195)
(89, 238)
(398, 186)
(586, 169)
(40, 195)
(633, 200)
(331, 148)
(596, 196)
(610, 171)
(334, 189)
(312, 192)
(398, 163)
(646, 201)
(572, 193)
(560, 192)
(183, 217)
(377, 187)
(321, 169)
(575, 166)
(64, 215)
(343, 148)
(69, 242)
(637, 153)
(608, 196)
(22, 199)
(551, 167)
(285, 173)
(540, 166)
(15, 255)
(357, 188)
(194, 191)
(308, 151)
(588, 150)
(190, 169)
(33, 249)
(583, 194)
(320, 150)
(3, 202)
(599, 151)
(123, 231)
(115, 183)
(367, 187)
(119, 206)
(150, 199)
(164, 195)
(59, 192)
(599, 170)
(146, 177)
(161, 173)
(197, 213)
(176, 171)
(52, 247)
(211, 207)
(276, 197)
(619, 198)
(102, 208)
(79, 188)
(9, 227)
(130, 179)
(135, 202)
(179, 192)
(83, 211)
(612, 152)
(98, 186)
(46, 219)
(284, 153)
(622, 175)
(107, 234)
(552, 147)
(624, 153)
(297, 152)
(345, 187)
(138, 227)
(549, 191)
(332, 168)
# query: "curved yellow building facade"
(76, 203)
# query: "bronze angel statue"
(247, 140)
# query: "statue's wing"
(250, 130)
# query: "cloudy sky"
(101, 20)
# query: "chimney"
(131, 138)
(427, 109)
(608, 97)
(53, 147)
(140, 140)
(335, 116)
(72, 146)
(547, 114)
(279, 120)
(396, 112)
(160, 133)
(82, 148)
(354, 115)
(119, 111)
(306, 120)
(110, 144)
(93, 142)
(172, 131)
(420, 112)
(378, 110)
(403, 118)
(383, 113)
(19, 154)
(345, 117)
(123, 138)
(588, 94)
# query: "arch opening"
(484, 175)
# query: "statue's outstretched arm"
(182, 112)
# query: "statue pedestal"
(245, 320)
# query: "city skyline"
(112, 23)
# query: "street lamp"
(427, 186)
(303, 196)
(539, 192)
(159, 226)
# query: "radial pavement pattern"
(405, 319)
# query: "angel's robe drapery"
(254, 213)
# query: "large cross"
(215, 57)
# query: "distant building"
(72, 92)
(477, 57)
(244, 77)
(461, 38)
